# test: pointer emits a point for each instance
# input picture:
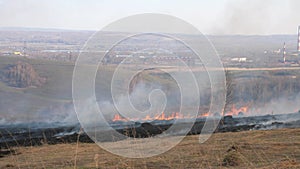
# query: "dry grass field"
(252, 149)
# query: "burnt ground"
(38, 134)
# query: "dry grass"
(251, 149)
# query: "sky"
(217, 17)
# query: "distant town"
(234, 50)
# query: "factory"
(292, 61)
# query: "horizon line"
(56, 29)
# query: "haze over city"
(134, 84)
(217, 17)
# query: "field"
(250, 87)
(250, 149)
(262, 85)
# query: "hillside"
(261, 90)
(33, 89)
(22, 75)
(251, 149)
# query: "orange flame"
(204, 115)
(177, 115)
(117, 117)
(162, 116)
(237, 111)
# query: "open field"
(155, 87)
(252, 86)
(250, 149)
(263, 84)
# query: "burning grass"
(177, 115)
(250, 149)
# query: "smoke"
(283, 105)
(144, 100)
(258, 17)
(230, 17)
(60, 114)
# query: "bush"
(231, 159)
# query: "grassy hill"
(255, 87)
(26, 102)
(251, 149)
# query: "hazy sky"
(209, 16)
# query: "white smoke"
(281, 105)
(258, 17)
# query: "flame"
(162, 116)
(117, 117)
(236, 111)
(204, 115)
(177, 115)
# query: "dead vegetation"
(23, 75)
(250, 149)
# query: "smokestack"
(283, 52)
(298, 45)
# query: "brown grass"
(251, 149)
